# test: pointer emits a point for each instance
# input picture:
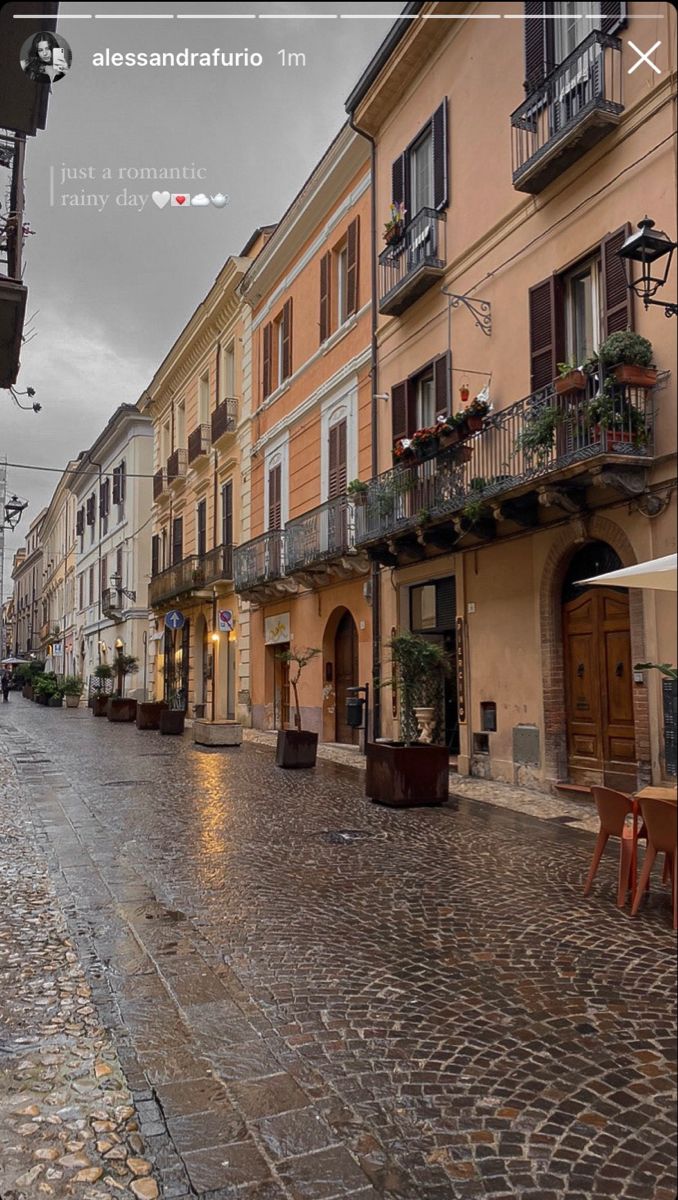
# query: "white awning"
(659, 573)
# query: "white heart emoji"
(160, 198)
(219, 201)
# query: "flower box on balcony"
(571, 381)
(644, 377)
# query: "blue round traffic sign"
(175, 619)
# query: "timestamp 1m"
(292, 58)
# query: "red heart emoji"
(181, 199)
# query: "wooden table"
(670, 796)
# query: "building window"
(227, 514)
(180, 426)
(426, 401)
(228, 363)
(155, 554)
(81, 592)
(275, 497)
(91, 585)
(165, 442)
(342, 275)
(277, 350)
(575, 22)
(103, 576)
(204, 399)
(202, 528)
(421, 173)
(177, 539)
(582, 311)
(118, 563)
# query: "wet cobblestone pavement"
(311, 997)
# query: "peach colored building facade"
(518, 197)
(299, 574)
(198, 402)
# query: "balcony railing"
(575, 106)
(217, 564)
(324, 533)
(516, 449)
(158, 484)
(224, 418)
(409, 268)
(177, 465)
(199, 442)
(111, 602)
(260, 561)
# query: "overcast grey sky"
(112, 287)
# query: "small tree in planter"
(119, 707)
(412, 771)
(73, 688)
(296, 747)
(103, 674)
(45, 687)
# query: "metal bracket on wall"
(480, 310)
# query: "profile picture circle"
(45, 57)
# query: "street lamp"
(13, 509)
(646, 247)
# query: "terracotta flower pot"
(574, 381)
(474, 422)
(644, 377)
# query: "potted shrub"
(296, 747)
(475, 414)
(357, 491)
(103, 674)
(120, 708)
(628, 359)
(32, 671)
(55, 698)
(571, 379)
(425, 443)
(45, 686)
(73, 688)
(537, 436)
(394, 228)
(614, 419)
(412, 771)
(448, 431)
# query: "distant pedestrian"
(4, 684)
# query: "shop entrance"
(346, 676)
(281, 688)
(433, 610)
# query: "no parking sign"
(226, 620)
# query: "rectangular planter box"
(403, 776)
(217, 733)
(296, 748)
(148, 713)
(121, 709)
(644, 377)
(172, 720)
(99, 705)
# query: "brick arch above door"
(570, 539)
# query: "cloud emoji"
(219, 201)
(199, 201)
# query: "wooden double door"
(601, 742)
(346, 676)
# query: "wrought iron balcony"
(409, 267)
(111, 603)
(260, 562)
(542, 452)
(577, 104)
(177, 465)
(191, 574)
(323, 536)
(217, 565)
(199, 442)
(224, 418)
(158, 484)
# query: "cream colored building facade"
(519, 197)
(57, 599)
(197, 401)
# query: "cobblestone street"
(247, 984)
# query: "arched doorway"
(601, 739)
(345, 675)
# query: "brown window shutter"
(274, 498)
(202, 528)
(399, 411)
(80, 523)
(352, 266)
(227, 514)
(287, 339)
(546, 314)
(617, 307)
(440, 156)
(325, 283)
(613, 16)
(267, 338)
(177, 540)
(441, 377)
(539, 45)
(337, 460)
(116, 485)
(155, 554)
(398, 180)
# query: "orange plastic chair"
(662, 834)
(613, 809)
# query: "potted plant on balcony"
(611, 413)
(412, 771)
(449, 431)
(403, 452)
(73, 688)
(357, 491)
(570, 379)
(475, 414)
(537, 436)
(296, 747)
(425, 443)
(120, 707)
(628, 359)
(394, 228)
(103, 674)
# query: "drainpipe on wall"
(374, 433)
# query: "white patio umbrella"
(12, 661)
(658, 573)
